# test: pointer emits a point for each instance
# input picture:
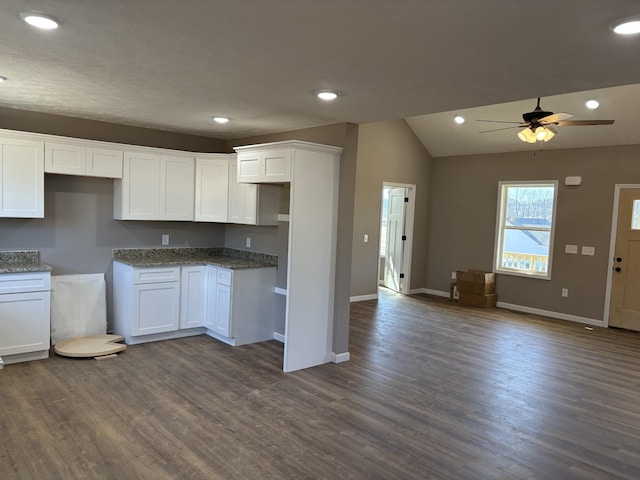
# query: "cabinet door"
(101, 162)
(276, 165)
(24, 322)
(243, 199)
(249, 167)
(178, 187)
(64, 158)
(212, 190)
(223, 310)
(21, 178)
(192, 301)
(211, 274)
(156, 308)
(137, 195)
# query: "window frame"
(500, 228)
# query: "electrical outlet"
(573, 249)
(248, 242)
(588, 250)
(165, 239)
(565, 292)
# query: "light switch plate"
(573, 249)
(588, 250)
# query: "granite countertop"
(218, 256)
(21, 261)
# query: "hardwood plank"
(433, 390)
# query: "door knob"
(618, 269)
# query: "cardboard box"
(475, 300)
(476, 282)
(453, 291)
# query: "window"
(635, 218)
(524, 228)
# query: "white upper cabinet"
(21, 178)
(269, 165)
(212, 188)
(251, 204)
(154, 187)
(82, 159)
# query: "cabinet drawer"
(156, 275)
(224, 277)
(24, 282)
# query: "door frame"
(612, 248)
(408, 251)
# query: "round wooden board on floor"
(91, 346)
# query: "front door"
(625, 286)
(394, 260)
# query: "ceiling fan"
(539, 124)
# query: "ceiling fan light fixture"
(541, 133)
(40, 20)
(592, 104)
(527, 135)
(550, 134)
(626, 26)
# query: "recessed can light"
(221, 119)
(627, 26)
(3, 79)
(326, 95)
(41, 20)
(592, 104)
(459, 119)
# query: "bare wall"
(387, 152)
(464, 193)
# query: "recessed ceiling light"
(221, 119)
(627, 26)
(459, 119)
(41, 20)
(592, 104)
(3, 79)
(326, 95)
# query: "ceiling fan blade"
(499, 129)
(556, 117)
(577, 123)
(497, 121)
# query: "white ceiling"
(173, 65)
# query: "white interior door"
(625, 286)
(394, 255)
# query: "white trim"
(612, 249)
(340, 357)
(499, 237)
(279, 337)
(548, 313)
(428, 291)
(362, 298)
(281, 291)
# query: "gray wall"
(387, 152)
(463, 201)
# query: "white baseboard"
(340, 357)
(362, 298)
(278, 336)
(428, 291)
(549, 313)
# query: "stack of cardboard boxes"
(476, 288)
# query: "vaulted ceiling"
(173, 65)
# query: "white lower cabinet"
(240, 304)
(25, 327)
(192, 296)
(159, 303)
(146, 303)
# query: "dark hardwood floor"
(433, 391)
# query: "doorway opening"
(622, 304)
(396, 236)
